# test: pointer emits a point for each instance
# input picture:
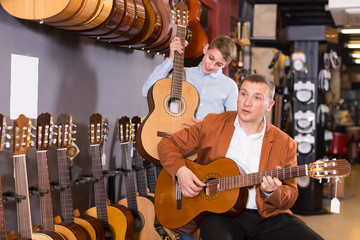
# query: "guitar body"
(92, 226)
(230, 202)
(146, 219)
(161, 120)
(120, 221)
(71, 231)
(40, 9)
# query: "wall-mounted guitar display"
(139, 24)
(304, 92)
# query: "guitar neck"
(2, 218)
(129, 179)
(178, 72)
(99, 185)
(140, 173)
(46, 205)
(251, 179)
(64, 180)
(22, 205)
(151, 177)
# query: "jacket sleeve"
(159, 72)
(173, 148)
(285, 196)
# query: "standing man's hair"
(258, 78)
(226, 46)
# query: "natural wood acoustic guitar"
(225, 191)
(116, 219)
(3, 127)
(171, 101)
(90, 227)
(21, 141)
(141, 207)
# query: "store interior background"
(82, 76)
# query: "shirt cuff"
(267, 195)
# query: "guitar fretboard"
(239, 181)
(22, 205)
(99, 185)
(129, 179)
(178, 72)
(46, 205)
(66, 202)
(140, 173)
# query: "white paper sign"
(24, 86)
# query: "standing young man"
(218, 93)
(254, 144)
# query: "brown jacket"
(212, 138)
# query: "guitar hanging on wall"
(171, 101)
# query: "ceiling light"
(355, 55)
(350, 31)
(357, 61)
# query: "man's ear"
(205, 48)
(271, 104)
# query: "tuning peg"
(8, 136)
(73, 125)
(7, 144)
(74, 139)
(54, 141)
(9, 127)
(73, 131)
(32, 143)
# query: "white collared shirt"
(245, 152)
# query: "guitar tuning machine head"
(7, 145)
(54, 141)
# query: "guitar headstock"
(97, 129)
(64, 132)
(21, 134)
(44, 131)
(181, 14)
(2, 132)
(329, 168)
(135, 122)
(124, 129)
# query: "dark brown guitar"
(116, 219)
(171, 101)
(90, 227)
(225, 190)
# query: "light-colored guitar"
(117, 220)
(225, 190)
(21, 140)
(141, 207)
(171, 101)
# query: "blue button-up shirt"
(217, 92)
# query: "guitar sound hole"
(174, 106)
(138, 221)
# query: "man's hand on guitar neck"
(192, 123)
(269, 184)
(189, 183)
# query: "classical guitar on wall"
(225, 190)
(85, 227)
(116, 219)
(171, 101)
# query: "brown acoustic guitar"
(171, 101)
(21, 141)
(198, 36)
(225, 191)
(90, 227)
(116, 219)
